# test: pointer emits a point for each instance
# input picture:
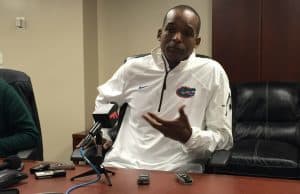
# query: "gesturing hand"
(178, 129)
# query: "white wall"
(50, 50)
(129, 27)
(90, 37)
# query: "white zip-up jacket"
(200, 84)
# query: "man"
(184, 100)
(17, 129)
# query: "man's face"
(178, 36)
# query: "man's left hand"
(178, 129)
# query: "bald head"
(186, 10)
(179, 35)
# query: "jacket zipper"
(164, 84)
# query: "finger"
(158, 119)
(184, 117)
(107, 145)
(154, 123)
(181, 108)
(181, 112)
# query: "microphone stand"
(96, 160)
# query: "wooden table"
(124, 181)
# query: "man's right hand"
(106, 145)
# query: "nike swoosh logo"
(141, 87)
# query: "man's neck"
(173, 65)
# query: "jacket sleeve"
(218, 119)
(21, 132)
(111, 91)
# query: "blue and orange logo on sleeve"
(185, 92)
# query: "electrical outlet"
(20, 23)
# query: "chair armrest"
(219, 158)
(26, 154)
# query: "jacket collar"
(157, 56)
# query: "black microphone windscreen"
(13, 162)
(107, 115)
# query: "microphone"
(105, 117)
(11, 162)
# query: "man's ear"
(198, 40)
(159, 32)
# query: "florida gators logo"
(185, 92)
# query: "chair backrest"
(22, 84)
(266, 110)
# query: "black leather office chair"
(266, 131)
(22, 84)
